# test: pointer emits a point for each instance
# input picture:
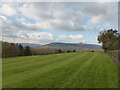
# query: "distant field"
(70, 70)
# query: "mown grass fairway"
(70, 70)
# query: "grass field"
(68, 70)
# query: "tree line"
(45, 51)
(110, 39)
(13, 50)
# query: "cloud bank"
(22, 18)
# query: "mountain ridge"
(30, 44)
(71, 46)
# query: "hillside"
(71, 46)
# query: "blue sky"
(67, 22)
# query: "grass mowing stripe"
(89, 72)
(37, 64)
(19, 59)
(22, 60)
(87, 65)
(93, 72)
(73, 70)
(43, 76)
(61, 73)
(73, 79)
(99, 71)
(90, 79)
(36, 60)
(110, 70)
(28, 73)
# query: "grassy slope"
(72, 70)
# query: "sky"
(47, 22)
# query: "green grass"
(68, 70)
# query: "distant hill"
(30, 44)
(71, 46)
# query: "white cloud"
(74, 37)
(20, 40)
(55, 16)
(8, 9)
(96, 19)
(3, 18)
(8, 27)
(40, 36)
